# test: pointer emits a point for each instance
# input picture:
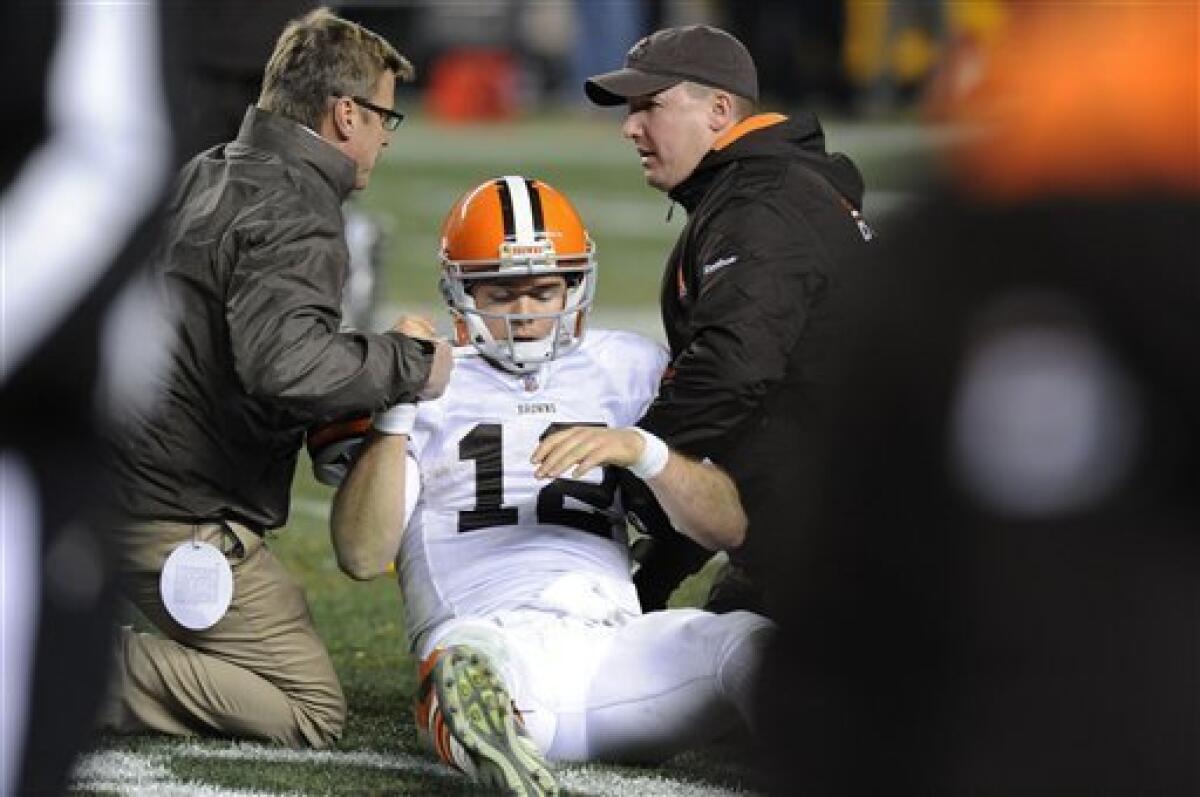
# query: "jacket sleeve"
(764, 275)
(283, 314)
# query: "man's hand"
(443, 355)
(439, 371)
(416, 326)
(585, 447)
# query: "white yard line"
(402, 762)
(144, 775)
(127, 773)
(617, 784)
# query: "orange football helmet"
(516, 227)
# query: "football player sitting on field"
(506, 528)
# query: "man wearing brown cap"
(748, 297)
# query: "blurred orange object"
(1088, 99)
(471, 85)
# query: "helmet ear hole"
(461, 336)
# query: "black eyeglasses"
(391, 119)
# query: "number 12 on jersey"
(484, 445)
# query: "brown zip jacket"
(252, 266)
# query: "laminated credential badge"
(196, 585)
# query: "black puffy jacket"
(772, 219)
(252, 265)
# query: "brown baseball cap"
(699, 53)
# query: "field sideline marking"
(128, 773)
(122, 772)
(277, 755)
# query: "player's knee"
(740, 663)
(731, 630)
(752, 625)
(748, 634)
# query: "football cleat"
(465, 715)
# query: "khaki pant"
(260, 673)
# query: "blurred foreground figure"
(86, 155)
(999, 592)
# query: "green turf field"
(426, 168)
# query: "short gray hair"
(320, 56)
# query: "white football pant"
(623, 688)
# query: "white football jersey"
(485, 535)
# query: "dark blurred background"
(502, 59)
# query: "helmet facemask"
(527, 253)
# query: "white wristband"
(397, 420)
(653, 458)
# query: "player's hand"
(585, 447)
